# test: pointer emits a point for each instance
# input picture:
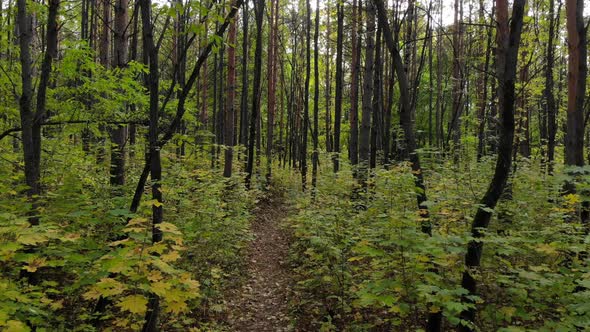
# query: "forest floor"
(261, 304)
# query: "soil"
(261, 304)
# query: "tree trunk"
(244, 99)
(119, 134)
(577, 70)
(155, 167)
(230, 101)
(316, 99)
(328, 87)
(306, 96)
(508, 44)
(367, 101)
(549, 85)
(339, 85)
(259, 12)
(354, 87)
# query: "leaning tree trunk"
(508, 44)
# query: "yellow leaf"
(105, 287)
(177, 307)
(159, 288)
(55, 305)
(434, 309)
(137, 221)
(155, 276)
(168, 227)
(35, 263)
(508, 311)
(16, 326)
(31, 238)
(136, 304)
(171, 256)
(546, 248)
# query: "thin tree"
(316, 99)
(339, 84)
(259, 13)
(306, 96)
(367, 101)
(119, 60)
(549, 95)
(230, 100)
(354, 86)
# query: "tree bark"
(339, 85)
(230, 101)
(577, 71)
(508, 43)
(316, 100)
(259, 12)
(120, 54)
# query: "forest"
(294, 165)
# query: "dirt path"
(261, 304)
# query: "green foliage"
(372, 268)
(86, 248)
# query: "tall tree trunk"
(457, 81)
(549, 85)
(230, 101)
(306, 96)
(244, 98)
(328, 87)
(316, 99)
(483, 101)
(354, 87)
(119, 60)
(577, 71)
(508, 43)
(271, 86)
(259, 12)
(367, 101)
(339, 85)
(155, 167)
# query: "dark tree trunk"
(271, 86)
(577, 71)
(244, 98)
(367, 101)
(508, 44)
(481, 115)
(328, 87)
(339, 85)
(316, 99)
(551, 124)
(306, 97)
(354, 87)
(119, 133)
(259, 10)
(230, 101)
(155, 167)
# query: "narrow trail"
(261, 304)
